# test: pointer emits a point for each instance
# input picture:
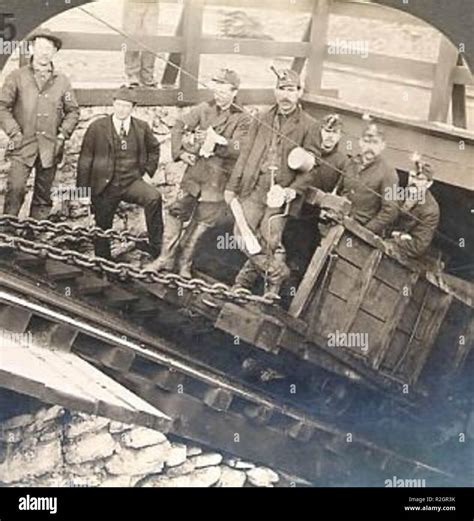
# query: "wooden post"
(298, 62)
(443, 81)
(171, 70)
(319, 28)
(192, 31)
(458, 101)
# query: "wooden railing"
(448, 77)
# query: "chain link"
(66, 231)
(127, 271)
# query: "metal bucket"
(301, 159)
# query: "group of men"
(233, 160)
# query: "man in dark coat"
(38, 112)
(334, 162)
(116, 152)
(263, 168)
(418, 216)
(219, 130)
(370, 184)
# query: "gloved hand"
(212, 139)
(276, 196)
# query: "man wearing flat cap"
(38, 112)
(116, 153)
(419, 214)
(262, 170)
(370, 183)
(216, 132)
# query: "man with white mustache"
(369, 181)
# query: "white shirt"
(118, 124)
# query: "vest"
(126, 169)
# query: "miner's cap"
(48, 34)
(287, 78)
(227, 76)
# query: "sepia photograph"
(236, 251)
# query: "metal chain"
(68, 232)
(127, 271)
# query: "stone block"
(231, 478)
(180, 470)
(262, 477)
(139, 437)
(148, 460)
(116, 427)
(92, 446)
(83, 424)
(23, 464)
(176, 455)
(206, 460)
(205, 477)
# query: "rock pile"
(57, 447)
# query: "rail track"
(201, 380)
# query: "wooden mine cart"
(416, 325)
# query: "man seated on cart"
(418, 216)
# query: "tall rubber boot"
(188, 243)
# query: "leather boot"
(188, 246)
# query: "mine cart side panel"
(451, 348)
(361, 291)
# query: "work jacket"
(39, 114)
(298, 129)
(208, 177)
(372, 191)
(420, 222)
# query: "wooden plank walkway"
(62, 378)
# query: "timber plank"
(307, 285)
(14, 319)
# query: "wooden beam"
(253, 47)
(114, 42)
(306, 287)
(319, 29)
(443, 81)
(171, 70)
(192, 30)
(298, 62)
(458, 98)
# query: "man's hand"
(228, 196)
(59, 149)
(15, 141)
(188, 158)
(200, 136)
(290, 194)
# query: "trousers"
(16, 188)
(105, 206)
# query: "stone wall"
(57, 447)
